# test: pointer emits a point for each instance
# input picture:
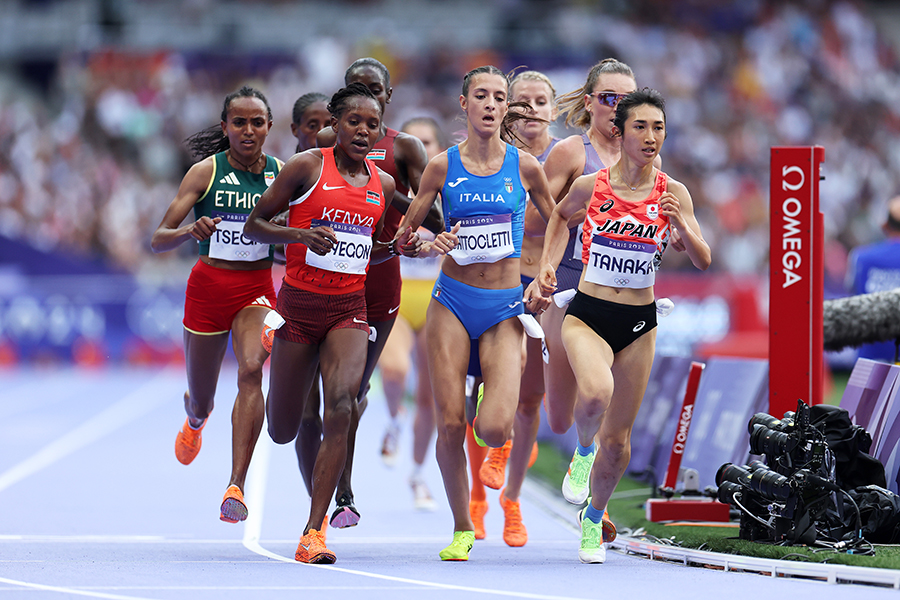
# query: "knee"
(616, 446)
(594, 397)
(250, 373)
(280, 435)
(452, 433)
(310, 424)
(494, 434)
(337, 415)
(529, 408)
(395, 372)
(558, 425)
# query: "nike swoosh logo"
(393, 310)
(458, 181)
(327, 187)
(515, 304)
(355, 320)
(639, 326)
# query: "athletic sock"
(585, 450)
(594, 514)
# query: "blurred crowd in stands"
(91, 156)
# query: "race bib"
(228, 241)
(350, 254)
(620, 263)
(484, 239)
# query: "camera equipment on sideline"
(862, 319)
(792, 497)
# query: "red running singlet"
(353, 213)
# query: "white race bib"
(228, 242)
(351, 253)
(621, 264)
(484, 239)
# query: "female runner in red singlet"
(337, 203)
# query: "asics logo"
(355, 320)
(328, 188)
(458, 181)
(639, 326)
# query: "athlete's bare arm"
(677, 205)
(411, 160)
(170, 234)
(297, 176)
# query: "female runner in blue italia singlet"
(534, 137)
(483, 182)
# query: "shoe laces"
(497, 457)
(591, 533)
(581, 469)
(513, 513)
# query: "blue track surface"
(94, 504)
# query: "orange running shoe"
(324, 530)
(233, 508)
(477, 509)
(514, 532)
(493, 469)
(311, 549)
(187, 442)
(534, 455)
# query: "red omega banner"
(796, 279)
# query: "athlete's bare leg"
(249, 406)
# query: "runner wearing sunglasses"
(593, 108)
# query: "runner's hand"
(319, 239)
(204, 227)
(534, 300)
(446, 240)
(546, 279)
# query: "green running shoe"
(593, 536)
(576, 483)
(459, 547)
(478, 440)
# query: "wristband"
(391, 249)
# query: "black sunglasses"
(609, 99)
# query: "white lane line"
(66, 590)
(131, 407)
(255, 488)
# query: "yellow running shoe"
(514, 532)
(311, 549)
(188, 441)
(493, 469)
(576, 483)
(233, 508)
(477, 509)
(478, 440)
(593, 536)
(460, 546)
